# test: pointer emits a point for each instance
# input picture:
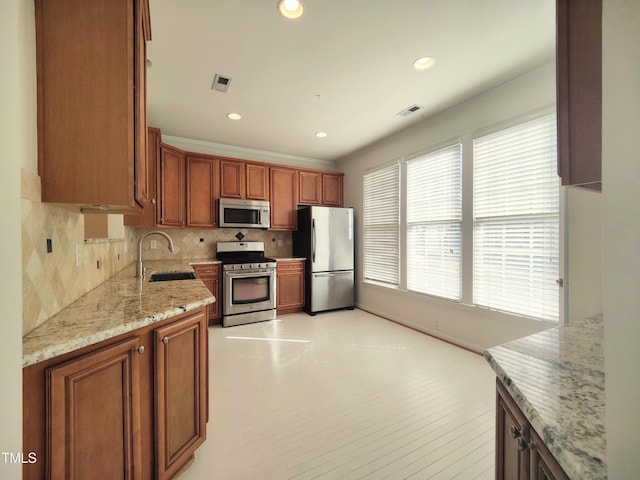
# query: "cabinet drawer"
(287, 266)
(211, 269)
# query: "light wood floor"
(341, 396)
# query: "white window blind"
(381, 224)
(516, 220)
(434, 215)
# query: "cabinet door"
(232, 182)
(284, 195)
(93, 415)
(579, 92)
(210, 276)
(143, 194)
(257, 181)
(310, 188)
(172, 185)
(512, 437)
(181, 391)
(148, 216)
(543, 465)
(332, 189)
(290, 288)
(201, 192)
(91, 102)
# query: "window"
(516, 220)
(381, 224)
(492, 241)
(434, 216)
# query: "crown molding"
(200, 146)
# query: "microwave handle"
(313, 241)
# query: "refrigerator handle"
(313, 241)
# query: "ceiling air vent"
(221, 83)
(409, 110)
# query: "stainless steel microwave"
(244, 213)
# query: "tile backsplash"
(53, 280)
(201, 243)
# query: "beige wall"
(621, 233)
(466, 325)
(17, 137)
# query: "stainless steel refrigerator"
(325, 238)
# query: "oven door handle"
(249, 273)
(313, 241)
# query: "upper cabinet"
(91, 76)
(579, 92)
(171, 187)
(332, 189)
(244, 180)
(202, 191)
(284, 196)
(320, 188)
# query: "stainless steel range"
(248, 284)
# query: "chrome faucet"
(139, 266)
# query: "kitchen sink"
(168, 276)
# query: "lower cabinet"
(520, 452)
(180, 392)
(131, 407)
(290, 286)
(210, 276)
(93, 414)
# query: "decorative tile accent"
(188, 246)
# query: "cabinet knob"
(140, 349)
(515, 433)
(522, 444)
(165, 340)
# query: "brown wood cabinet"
(181, 392)
(520, 452)
(210, 275)
(257, 176)
(93, 405)
(150, 212)
(92, 102)
(310, 187)
(290, 286)
(332, 188)
(579, 92)
(284, 196)
(239, 179)
(129, 407)
(171, 177)
(232, 181)
(202, 191)
(320, 188)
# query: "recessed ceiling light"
(234, 116)
(321, 134)
(423, 63)
(291, 9)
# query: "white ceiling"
(345, 67)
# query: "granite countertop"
(119, 305)
(556, 377)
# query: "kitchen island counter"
(119, 305)
(556, 377)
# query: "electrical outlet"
(279, 243)
(49, 245)
(153, 244)
(78, 255)
(437, 324)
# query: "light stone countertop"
(119, 305)
(556, 377)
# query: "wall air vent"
(221, 83)
(409, 110)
